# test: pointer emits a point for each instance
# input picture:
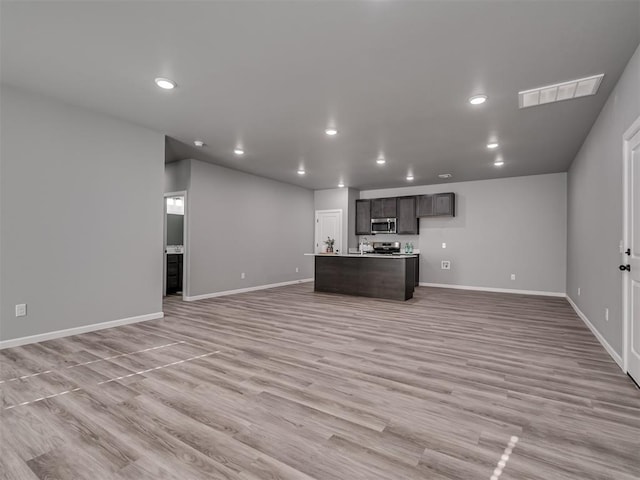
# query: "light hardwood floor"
(290, 384)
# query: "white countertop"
(366, 255)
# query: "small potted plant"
(329, 243)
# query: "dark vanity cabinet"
(407, 221)
(174, 273)
(383, 208)
(363, 217)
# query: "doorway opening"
(174, 272)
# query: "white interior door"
(631, 256)
(328, 224)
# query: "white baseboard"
(41, 337)
(492, 289)
(244, 290)
(616, 358)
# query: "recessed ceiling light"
(381, 161)
(498, 163)
(331, 131)
(478, 99)
(493, 145)
(301, 171)
(341, 185)
(198, 143)
(165, 83)
(409, 177)
(238, 151)
(445, 175)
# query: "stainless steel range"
(388, 248)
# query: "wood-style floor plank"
(295, 385)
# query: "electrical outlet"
(444, 245)
(513, 276)
(242, 275)
(606, 314)
(21, 310)
(445, 265)
(578, 291)
(297, 269)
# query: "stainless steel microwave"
(383, 225)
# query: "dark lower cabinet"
(407, 221)
(363, 217)
(174, 273)
(392, 278)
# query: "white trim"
(626, 238)
(492, 289)
(185, 239)
(41, 337)
(244, 290)
(616, 358)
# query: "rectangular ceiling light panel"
(560, 91)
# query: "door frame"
(185, 241)
(316, 230)
(626, 236)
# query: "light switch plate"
(21, 310)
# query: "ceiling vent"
(560, 91)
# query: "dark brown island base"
(380, 276)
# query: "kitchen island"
(368, 275)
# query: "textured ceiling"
(394, 76)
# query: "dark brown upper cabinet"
(425, 205)
(445, 204)
(437, 205)
(383, 208)
(363, 217)
(407, 223)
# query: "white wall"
(80, 216)
(177, 176)
(502, 226)
(244, 223)
(595, 210)
(340, 199)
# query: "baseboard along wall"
(492, 289)
(41, 337)
(244, 290)
(603, 341)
